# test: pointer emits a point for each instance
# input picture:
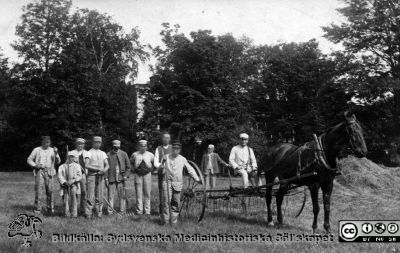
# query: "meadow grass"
(347, 203)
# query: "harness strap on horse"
(320, 154)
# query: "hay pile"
(362, 175)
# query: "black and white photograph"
(200, 126)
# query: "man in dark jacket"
(210, 166)
(116, 175)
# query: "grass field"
(348, 202)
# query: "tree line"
(73, 81)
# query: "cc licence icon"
(380, 228)
(367, 228)
(369, 231)
(348, 231)
(392, 228)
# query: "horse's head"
(354, 135)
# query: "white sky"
(264, 21)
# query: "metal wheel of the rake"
(193, 195)
(294, 202)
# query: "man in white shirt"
(244, 162)
(81, 156)
(173, 170)
(96, 166)
(160, 155)
(142, 166)
(43, 160)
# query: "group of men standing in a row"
(85, 173)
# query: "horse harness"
(319, 157)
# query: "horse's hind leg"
(269, 179)
(314, 188)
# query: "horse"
(317, 159)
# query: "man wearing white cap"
(243, 161)
(210, 166)
(43, 160)
(81, 157)
(96, 166)
(69, 176)
(159, 163)
(142, 166)
(115, 177)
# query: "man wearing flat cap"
(43, 160)
(69, 176)
(96, 166)
(115, 177)
(244, 162)
(142, 166)
(81, 157)
(174, 165)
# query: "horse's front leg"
(268, 196)
(314, 188)
(279, 200)
(327, 193)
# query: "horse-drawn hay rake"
(196, 200)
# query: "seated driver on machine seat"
(244, 162)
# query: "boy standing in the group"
(97, 165)
(142, 166)
(115, 177)
(173, 170)
(210, 166)
(43, 160)
(69, 176)
(244, 162)
(159, 159)
(81, 155)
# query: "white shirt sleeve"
(157, 163)
(232, 158)
(253, 159)
(61, 178)
(32, 157)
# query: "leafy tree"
(290, 90)
(196, 89)
(75, 77)
(371, 39)
(43, 32)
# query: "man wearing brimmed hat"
(142, 166)
(115, 177)
(243, 161)
(69, 176)
(173, 171)
(43, 160)
(210, 166)
(159, 159)
(96, 166)
(82, 156)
